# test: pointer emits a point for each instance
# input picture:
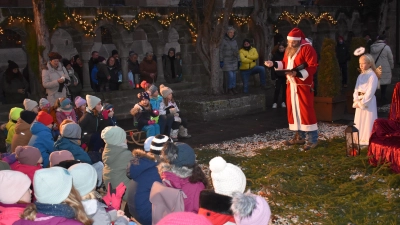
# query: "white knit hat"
(84, 178)
(30, 104)
(165, 91)
(113, 135)
(147, 143)
(13, 185)
(52, 185)
(92, 101)
(226, 177)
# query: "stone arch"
(306, 25)
(62, 42)
(284, 27)
(342, 28)
(323, 31)
(105, 49)
(18, 54)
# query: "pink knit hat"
(184, 218)
(13, 185)
(79, 101)
(28, 155)
(249, 209)
(58, 156)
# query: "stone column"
(86, 76)
(124, 67)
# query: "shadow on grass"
(317, 186)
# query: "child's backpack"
(165, 200)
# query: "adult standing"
(171, 67)
(280, 81)
(248, 67)
(343, 55)
(299, 93)
(115, 73)
(134, 68)
(55, 78)
(148, 69)
(383, 57)
(92, 62)
(367, 38)
(103, 75)
(229, 60)
(115, 55)
(15, 86)
(77, 65)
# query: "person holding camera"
(55, 78)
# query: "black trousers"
(280, 84)
(343, 71)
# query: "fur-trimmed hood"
(180, 172)
(216, 202)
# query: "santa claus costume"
(300, 89)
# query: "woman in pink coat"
(179, 170)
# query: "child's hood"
(141, 167)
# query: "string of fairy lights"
(167, 20)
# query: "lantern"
(352, 140)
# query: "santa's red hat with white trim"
(296, 35)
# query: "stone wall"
(210, 110)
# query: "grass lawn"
(321, 185)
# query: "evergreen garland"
(328, 72)
(54, 13)
(352, 70)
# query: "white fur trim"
(304, 73)
(293, 38)
(303, 127)
(280, 65)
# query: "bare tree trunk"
(263, 31)
(384, 9)
(42, 31)
(209, 39)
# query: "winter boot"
(297, 140)
(183, 132)
(174, 135)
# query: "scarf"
(60, 210)
(66, 112)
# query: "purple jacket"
(9, 213)
(192, 191)
(42, 219)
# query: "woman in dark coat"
(172, 67)
(14, 85)
(148, 69)
(115, 72)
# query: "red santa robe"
(299, 91)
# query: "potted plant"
(329, 104)
(353, 72)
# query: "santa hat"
(226, 177)
(296, 35)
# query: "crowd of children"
(58, 158)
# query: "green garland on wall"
(54, 13)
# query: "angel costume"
(365, 104)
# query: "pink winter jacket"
(9, 213)
(192, 191)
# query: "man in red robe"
(300, 88)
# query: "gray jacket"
(97, 212)
(385, 60)
(229, 53)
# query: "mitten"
(117, 197)
(105, 114)
(84, 146)
(221, 64)
(150, 122)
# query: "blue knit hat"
(184, 155)
(65, 104)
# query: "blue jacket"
(143, 172)
(155, 102)
(43, 140)
(79, 154)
